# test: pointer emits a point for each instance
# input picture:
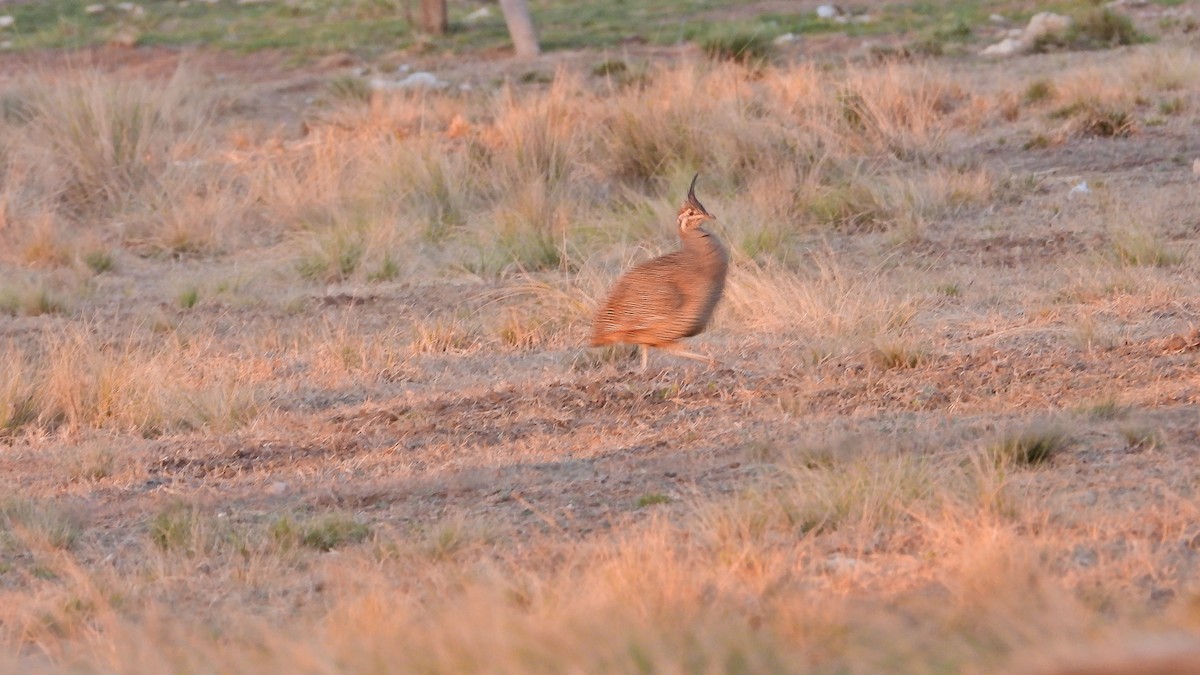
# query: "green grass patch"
(732, 45)
(651, 499)
(312, 28)
(332, 530)
(99, 261)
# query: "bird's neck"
(701, 243)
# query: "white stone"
(418, 80)
(1020, 41)
(6, 21)
(784, 39)
(478, 15)
(94, 9)
(1081, 189)
(996, 18)
(1005, 47)
(1045, 23)
(828, 11)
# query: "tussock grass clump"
(332, 530)
(100, 261)
(188, 297)
(323, 532)
(1141, 437)
(78, 383)
(1096, 28)
(1102, 27)
(54, 525)
(652, 499)
(848, 484)
(853, 206)
(748, 47)
(31, 298)
(536, 141)
(332, 255)
(898, 353)
(822, 301)
(1172, 106)
(532, 224)
(1138, 247)
(178, 528)
(1038, 91)
(437, 186)
(1102, 409)
(1035, 444)
(349, 88)
(898, 109)
(104, 139)
(1089, 118)
(443, 335)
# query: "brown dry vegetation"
(309, 396)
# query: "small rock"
(418, 80)
(829, 11)
(94, 9)
(6, 21)
(478, 15)
(1081, 189)
(784, 39)
(1005, 47)
(1041, 25)
(277, 488)
(996, 18)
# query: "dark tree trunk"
(433, 17)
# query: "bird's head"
(692, 214)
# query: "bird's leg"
(678, 350)
(645, 356)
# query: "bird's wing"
(647, 296)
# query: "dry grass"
(79, 383)
(310, 395)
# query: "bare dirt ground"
(1015, 312)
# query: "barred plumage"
(670, 297)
